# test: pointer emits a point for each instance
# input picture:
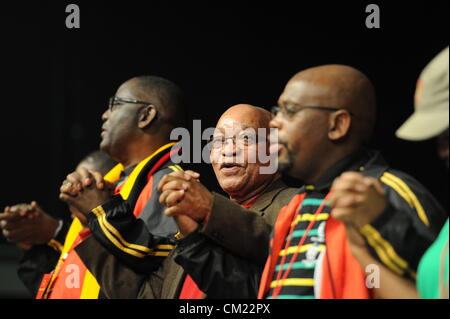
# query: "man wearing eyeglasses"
(136, 133)
(317, 144)
(254, 201)
(224, 224)
(324, 119)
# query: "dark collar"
(269, 195)
(359, 160)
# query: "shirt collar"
(355, 161)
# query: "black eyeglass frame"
(290, 110)
(114, 99)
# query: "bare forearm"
(391, 285)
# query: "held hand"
(16, 212)
(183, 194)
(356, 199)
(82, 178)
(85, 190)
(89, 198)
(174, 183)
(27, 225)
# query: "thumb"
(37, 209)
(375, 184)
(192, 174)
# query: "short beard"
(287, 164)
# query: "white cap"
(431, 116)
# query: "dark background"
(56, 81)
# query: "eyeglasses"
(116, 101)
(290, 110)
(241, 141)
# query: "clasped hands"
(186, 199)
(356, 200)
(85, 190)
(27, 225)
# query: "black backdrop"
(56, 81)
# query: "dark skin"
(28, 224)
(126, 133)
(184, 195)
(358, 200)
(85, 190)
(309, 133)
(129, 135)
(245, 183)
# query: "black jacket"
(398, 238)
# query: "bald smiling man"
(253, 203)
(325, 117)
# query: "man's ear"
(146, 116)
(339, 124)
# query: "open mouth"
(230, 167)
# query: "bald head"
(328, 110)
(166, 96)
(337, 86)
(246, 115)
(235, 155)
(132, 130)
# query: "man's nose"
(105, 115)
(275, 122)
(229, 148)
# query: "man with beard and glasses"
(361, 198)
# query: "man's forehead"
(129, 90)
(125, 91)
(303, 92)
(232, 126)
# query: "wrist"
(209, 205)
(361, 254)
(205, 218)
